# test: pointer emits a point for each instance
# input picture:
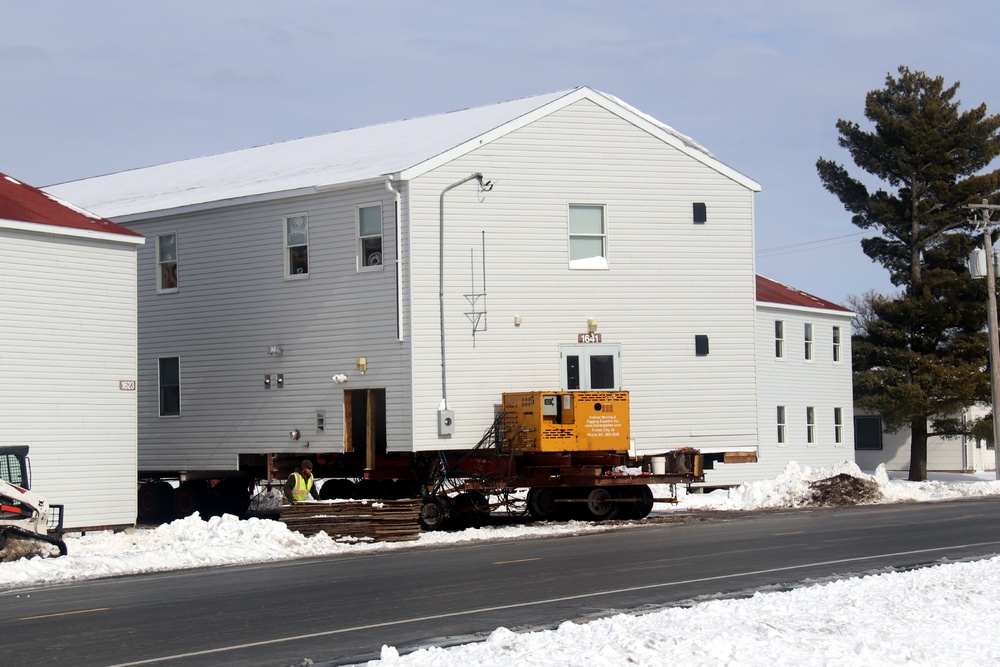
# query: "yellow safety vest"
(300, 491)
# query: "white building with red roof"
(68, 350)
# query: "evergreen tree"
(922, 354)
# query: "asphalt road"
(342, 609)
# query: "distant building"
(68, 352)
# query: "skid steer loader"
(29, 525)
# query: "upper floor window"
(370, 237)
(297, 245)
(779, 339)
(811, 425)
(169, 381)
(700, 213)
(807, 335)
(836, 345)
(587, 237)
(166, 263)
(838, 426)
(781, 424)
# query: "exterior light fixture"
(591, 324)
(362, 365)
(517, 320)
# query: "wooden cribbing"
(377, 520)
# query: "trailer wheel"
(643, 505)
(154, 501)
(542, 503)
(628, 501)
(434, 512)
(337, 489)
(187, 498)
(472, 509)
(600, 505)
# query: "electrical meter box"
(566, 421)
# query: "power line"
(809, 245)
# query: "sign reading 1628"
(126, 385)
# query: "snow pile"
(922, 617)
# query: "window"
(700, 213)
(811, 425)
(320, 421)
(836, 345)
(808, 338)
(779, 339)
(838, 426)
(170, 386)
(587, 237)
(297, 245)
(701, 346)
(166, 263)
(867, 432)
(370, 237)
(781, 424)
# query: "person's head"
(306, 467)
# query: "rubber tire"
(542, 504)
(232, 496)
(471, 510)
(597, 507)
(154, 501)
(337, 489)
(643, 506)
(188, 499)
(435, 513)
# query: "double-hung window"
(297, 246)
(169, 380)
(781, 424)
(811, 425)
(779, 339)
(807, 336)
(588, 241)
(836, 345)
(370, 237)
(166, 263)
(838, 426)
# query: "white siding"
(797, 384)
(67, 336)
(669, 280)
(233, 302)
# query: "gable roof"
(771, 291)
(28, 208)
(402, 149)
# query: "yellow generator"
(566, 421)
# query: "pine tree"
(922, 353)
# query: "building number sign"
(588, 338)
(126, 385)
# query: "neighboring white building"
(366, 288)
(874, 446)
(68, 353)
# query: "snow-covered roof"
(402, 149)
(771, 291)
(25, 207)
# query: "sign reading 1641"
(588, 338)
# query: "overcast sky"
(101, 86)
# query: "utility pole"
(986, 210)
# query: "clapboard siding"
(234, 301)
(797, 384)
(668, 280)
(67, 336)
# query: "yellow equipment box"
(567, 421)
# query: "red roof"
(20, 202)
(774, 292)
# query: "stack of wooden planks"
(376, 520)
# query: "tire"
(337, 489)
(472, 509)
(435, 512)
(542, 504)
(232, 496)
(154, 501)
(626, 509)
(644, 502)
(187, 499)
(600, 505)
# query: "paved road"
(342, 609)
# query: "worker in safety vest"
(300, 484)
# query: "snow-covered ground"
(934, 616)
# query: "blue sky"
(102, 86)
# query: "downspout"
(446, 418)
(399, 260)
